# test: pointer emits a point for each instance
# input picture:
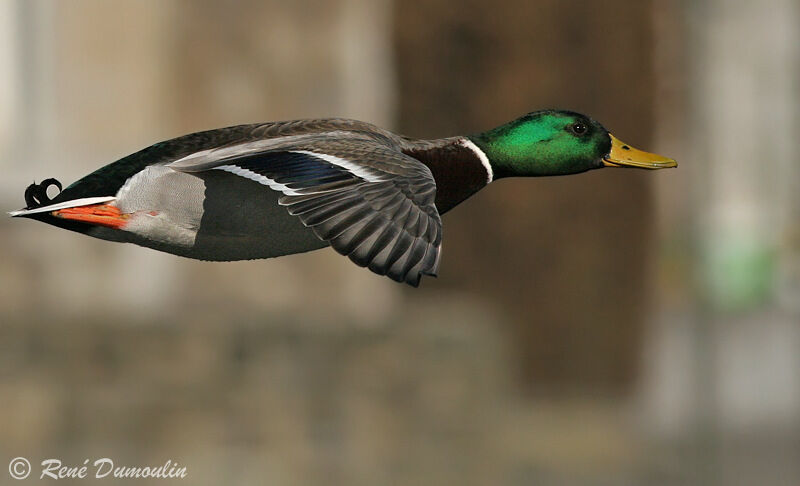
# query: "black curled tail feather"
(36, 194)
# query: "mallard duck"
(272, 189)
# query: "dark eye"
(578, 128)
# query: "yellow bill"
(623, 155)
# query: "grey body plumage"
(266, 190)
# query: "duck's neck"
(459, 167)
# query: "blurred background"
(615, 327)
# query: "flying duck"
(278, 188)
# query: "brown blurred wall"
(564, 257)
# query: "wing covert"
(369, 201)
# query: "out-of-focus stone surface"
(421, 400)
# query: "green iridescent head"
(554, 142)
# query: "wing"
(369, 201)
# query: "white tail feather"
(86, 201)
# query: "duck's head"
(555, 142)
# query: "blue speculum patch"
(294, 169)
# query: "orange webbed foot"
(97, 214)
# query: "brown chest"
(457, 169)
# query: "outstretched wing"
(367, 200)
